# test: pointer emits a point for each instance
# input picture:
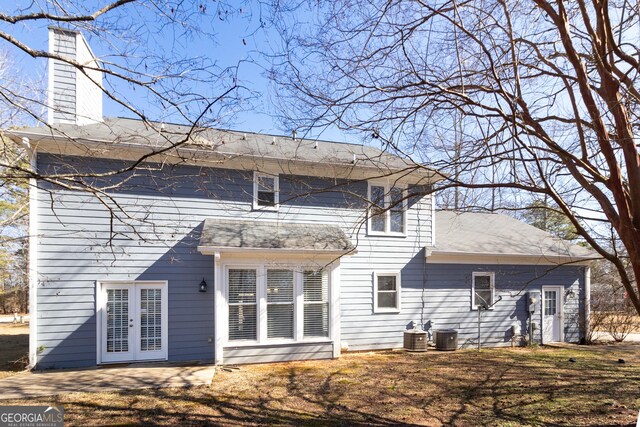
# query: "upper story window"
(387, 212)
(482, 290)
(265, 191)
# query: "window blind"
(242, 304)
(280, 303)
(316, 303)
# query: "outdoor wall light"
(203, 286)
(571, 294)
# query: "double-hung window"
(386, 292)
(482, 290)
(280, 303)
(270, 304)
(243, 307)
(316, 303)
(387, 212)
(266, 192)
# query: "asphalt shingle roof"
(233, 234)
(130, 132)
(497, 234)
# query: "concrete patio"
(112, 378)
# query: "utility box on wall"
(533, 302)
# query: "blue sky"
(237, 39)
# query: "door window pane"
(550, 303)
(117, 320)
(150, 319)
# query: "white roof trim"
(456, 257)
(212, 250)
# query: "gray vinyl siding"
(79, 243)
(277, 353)
(438, 296)
(64, 78)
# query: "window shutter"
(316, 303)
(242, 304)
(279, 303)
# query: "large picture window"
(267, 305)
(387, 211)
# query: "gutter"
(433, 175)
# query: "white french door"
(132, 321)
(552, 324)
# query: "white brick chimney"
(73, 97)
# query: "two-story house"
(155, 241)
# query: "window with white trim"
(386, 292)
(482, 290)
(387, 212)
(265, 191)
(316, 303)
(243, 307)
(271, 304)
(280, 303)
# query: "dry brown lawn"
(14, 347)
(506, 387)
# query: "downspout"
(587, 301)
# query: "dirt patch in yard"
(509, 387)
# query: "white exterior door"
(552, 314)
(133, 321)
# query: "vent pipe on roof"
(294, 134)
(75, 87)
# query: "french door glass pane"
(117, 320)
(150, 319)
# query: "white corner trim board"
(33, 257)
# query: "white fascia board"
(444, 257)
(212, 250)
